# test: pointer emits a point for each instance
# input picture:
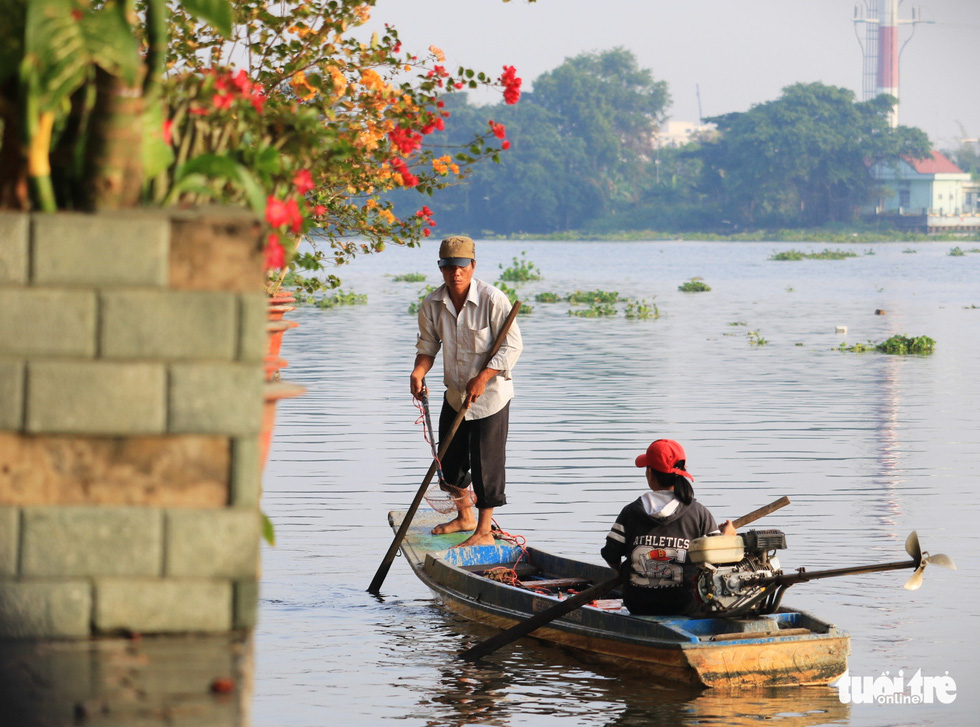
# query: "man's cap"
(663, 455)
(457, 250)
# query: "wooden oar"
(580, 599)
(385, 566)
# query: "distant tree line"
(584, 156)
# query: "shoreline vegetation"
(784, 235)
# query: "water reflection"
(203, 680)
(539, 683)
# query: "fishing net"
(446, 502)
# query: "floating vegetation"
(694, 285)
(521, 271)
(513, 297)
(909, 251)
(869, 251)
(901, 345)
(756, 339)
(414, 307)
(595, 310)
(956, 252)
(410, 278)
(897, 345)
(738, 323)
(580, 297)
(826, 254)
(857, 347)
(341, 298)
(547, 298)
(789, 289)
(638, 309)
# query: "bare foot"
(456, 525)
(477, 539)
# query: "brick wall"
(131, 386)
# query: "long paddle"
(580, 599)
(385, 566)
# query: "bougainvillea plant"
(343, 118)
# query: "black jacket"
(655, 547)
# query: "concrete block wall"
(131, 393)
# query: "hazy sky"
(738, 52)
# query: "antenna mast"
(880, 48)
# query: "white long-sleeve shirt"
(466, 339)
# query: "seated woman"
(654, 531)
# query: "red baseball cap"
(663, 456)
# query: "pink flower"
(222, 100)
(275, 254)
(258, 100)
(511, 84)
(319, 210)
(276, 213)
(168, 126)
(240, 80)
(295, 220)
(303, 181)
(505, 145)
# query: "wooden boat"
(787, 647)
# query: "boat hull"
(782, 649)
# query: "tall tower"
(880, 47)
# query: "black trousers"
(478, 448)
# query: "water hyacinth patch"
(593, 296)
(409, 278)
(595, 310)
(900, 345)
(520, 271)
(547, 298)
(826, 254)
(694, 285)
(638, 309)
(340, 298)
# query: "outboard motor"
(730, 568)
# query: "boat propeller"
(922, 560)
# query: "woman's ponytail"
(683, 490)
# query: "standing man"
(463, 317)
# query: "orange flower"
(301, 88)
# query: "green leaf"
(55, 59)
(216, 12)
(222, 167)
(157, 154)
(268, 531)
(111, 43)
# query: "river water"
(867, 446)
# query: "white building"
(679, 133)
(933, 187)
